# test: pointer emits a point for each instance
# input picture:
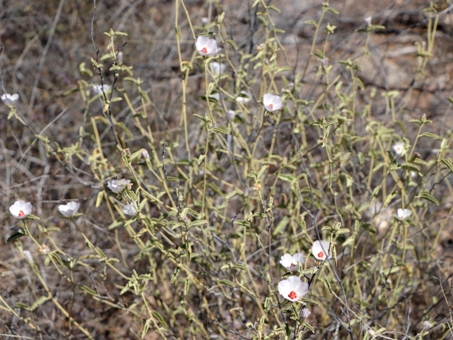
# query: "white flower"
(324, 62)
(292, 262)
(320, 248)
(69, 209)
(305, 313)
(272, 103)
(20, 209)
(206, 46)
(217, 68)
(243, 97)
(403, 214)
(28, 256)
(292, 288)
(117, 185)
(44, 249)
(129, 209)
(9, 99)
(368, 20)
(398, 148)
(97, 89)
(231, 114)
(145, 154)
(215, 96)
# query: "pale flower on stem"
(403, 214)
(272, 102)
(305, 313)
(206, 46)
(398, 148)
(243, 97)
(9, 99)
(231, 114)
(292, 262)
(217, 68)
(20, 209)
(97, 89)
(44, 249)
(129, 209)
(293, 288)
(320, 249)
(28, 256)
(117, 185)
(69, 209)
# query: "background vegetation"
(116, 90)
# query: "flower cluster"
(21, 209)
(293, 288)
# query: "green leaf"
(232, 43)
(273, 8)
(448, 164)
(349, 241)
(227, 282)
(287, 177)
(21, 305)
(429, 198)
(115, 99)
(311, 22)
(15, 236)
(197, 223)
(430, 135)
(160, 318)
(88, 290)
(369, 227)
(389, 198)
(38, 302)
(281, 226)
(222, 130)
(411, 167)
(99, 199)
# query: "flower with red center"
(321, 250)
(293, 288)
(272, 102)
(206, 46)
(292, 262)
(398, 148)
(403, 214)
(20, 209)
